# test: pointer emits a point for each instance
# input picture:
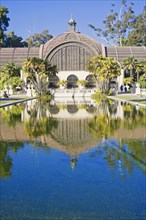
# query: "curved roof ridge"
(70, 36)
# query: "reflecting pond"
(73, 160)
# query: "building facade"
(71, 52)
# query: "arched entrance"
(72, 81)
(53, 82)
(91, 81)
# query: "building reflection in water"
(76, 127)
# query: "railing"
(72, 92)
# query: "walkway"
(14, 99)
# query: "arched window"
(72, 81)
(53, 82)
(91, 81)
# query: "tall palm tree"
(139, 69)
(39, 72)
(130, 63)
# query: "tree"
(12, 40)
(39, 72)
(135, 67)
(4, 23)
(130, 64)
(104, 69)
(136, 36)
(118, 25)
(37, 39)
(10, 75)
(142, 81)
(140, 69)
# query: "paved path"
(14, 99)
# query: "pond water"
(73, 160)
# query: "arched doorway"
(72, 81)
(91, 81)
(53, 82)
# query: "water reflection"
(40, 122)
(120, 156)
(6, 161)
(75, 128)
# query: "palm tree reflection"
(41, 122)
(6, 162)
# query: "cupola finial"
(72, 24)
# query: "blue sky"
(29, 17)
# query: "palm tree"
(130, 63)
(104, 69)
(140, 68)
(39, 72)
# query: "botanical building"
(71, 52)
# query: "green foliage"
(136, 36)
(135, 67)
(37, 39)
(4, 23)
(82, 82)
(130, 63)
(111, 92)
(104, 126)
(133, 118)
(123, 27)
(38, 127)
(142, 81)
(62, 82)
(39, 72)
(99, 96)
(12, 40)
(10, 75)
(104, 69)
(12, 115)
(45, 98)
(6, 161)
(128, 81)
(39, 124)
(10, 70)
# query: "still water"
(76, 160)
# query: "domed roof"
(75, 38)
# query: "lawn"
(133, 98)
